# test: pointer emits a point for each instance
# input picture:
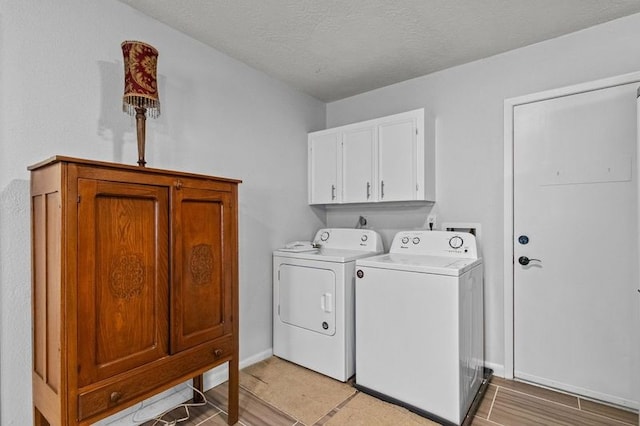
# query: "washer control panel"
(348, 239)
(435, 243)
(456, 242)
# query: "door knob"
(524, 260)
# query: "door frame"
(508, 257)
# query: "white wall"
(61, 86)
(468, 102)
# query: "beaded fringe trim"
(130, 103)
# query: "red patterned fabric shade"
(140, 78)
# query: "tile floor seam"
(625, 409)
(214, 406)
(341, 405)
(492, 422)
(493, 401)
(570, 407)
(328, 413)
(221, 411)
(337, 408)
(208, 418)
(622, 422)
(546, 388)
(273, 406)
(539, 397)
(241, 423)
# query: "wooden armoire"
(134, 285)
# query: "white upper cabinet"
(358, 165)
(388, 159)
(397, 161)
(324, 150)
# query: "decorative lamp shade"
(140, 78)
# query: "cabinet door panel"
(358, 165)
(324, 184)
(397, 160)
(201, 287)
(123, 283)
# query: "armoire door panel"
(123, 285)
(201, 289)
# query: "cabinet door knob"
(178, 184)
(368, 190)
(115, 396)
(333, 192)
(217, 353)
(381, 189)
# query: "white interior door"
(575, 310)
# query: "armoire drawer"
(151, 378)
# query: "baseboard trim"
(498, 369)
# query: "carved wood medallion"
(201, 264)
(127, 276)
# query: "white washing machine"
(313, 300)
(419, 324)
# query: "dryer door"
(307, 298)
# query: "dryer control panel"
(348, 239)
(435, 243)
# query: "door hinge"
(78, 199)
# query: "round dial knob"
(364, 238)
(456, 242)
(416, 240)
(405, 240)
(324, 236)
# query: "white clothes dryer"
(419, 324)
(313, 300)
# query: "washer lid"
(438, 265)
(327, 255)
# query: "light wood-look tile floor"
(278, 393)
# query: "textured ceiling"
(332, 49)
